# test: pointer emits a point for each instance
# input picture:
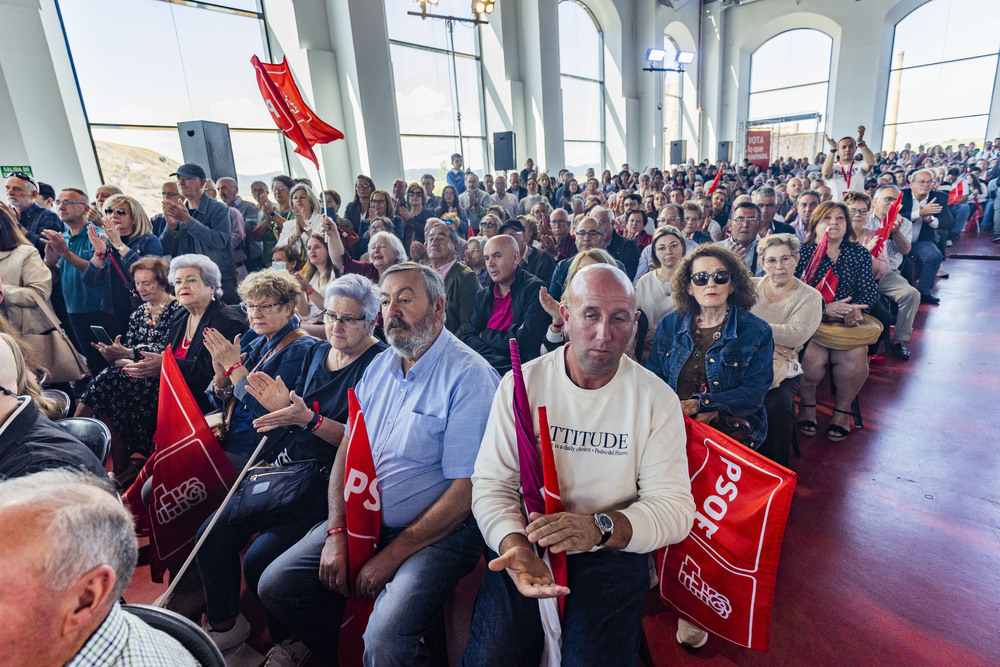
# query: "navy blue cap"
(190, 170)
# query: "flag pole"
(175, 579)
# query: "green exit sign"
(7, 171)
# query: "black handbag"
(276, 494)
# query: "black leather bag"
(276, 494)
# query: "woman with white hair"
(198, 287)
(384, 250)
(311, 418)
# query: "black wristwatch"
(312, 423)
(605, 525)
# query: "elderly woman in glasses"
(311, 418)
(711, 350)
(274, 345)
(128, 235)
(198, 287)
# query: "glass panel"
(946, 30)
(792, 58)
(138, 161)
(929, 133)
(580, 48)
(432, 155)
(954, 91)
(788, 101)
(583, 154)
(206, 77)
(248, 5)
(431, 32)
(582, 107)
(425, 94)
(258, 157)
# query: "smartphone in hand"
(101, 335)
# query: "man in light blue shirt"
(425, 403)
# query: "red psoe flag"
(722, 575)
(828, 286)
(715, 182)
(290, 113)
(885, 231)
(363, 516)
(816, 258)
(190, 472)
(956, 192)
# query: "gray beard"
(420, 339)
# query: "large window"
(673, 94)
(944, 63)
(789, 83)
(144, 65)
(581, 69)
(438, 89)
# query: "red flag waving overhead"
(290, 113)
(722, 575)
(956, 192)
(715, 182)
(190, 474)
(363, 510)
(886, 230)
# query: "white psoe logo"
(179, 499)
(690, 578)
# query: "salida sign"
(758, 149)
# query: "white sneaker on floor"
(948, 244)
(690, 635)
(232, 637)
(942, 272)
(289, 653)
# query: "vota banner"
(721, 576)
(758, 148)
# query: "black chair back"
(91, 432)
(190, 636)
(60, 397)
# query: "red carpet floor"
(892, 551)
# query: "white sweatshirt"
(621, 447)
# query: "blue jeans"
(219, 558)
(602, 619)
(960, 213)
(404, 611)
(930, 261)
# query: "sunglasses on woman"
(701, 278)
(119, 211)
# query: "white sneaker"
(948, 244)
(690, 635)
(942, 273)
(232, 637)
(289, 653)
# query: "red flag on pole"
(363, 516)
(722, 575)
(290, 113)
(956, 192)
(190, 474)
(715, 182)
(885, 231)
(828, 286)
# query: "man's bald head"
(604, 279)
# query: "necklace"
(154, 312)
(718, 328)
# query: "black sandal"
(805, 426)
(836, 433)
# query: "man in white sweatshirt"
(619, 446)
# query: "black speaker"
(725, 151)
(207, 144)
(678, 151)
(503, 151)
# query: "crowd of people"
(721, 292)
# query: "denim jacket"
(102, 278)
(738, 365)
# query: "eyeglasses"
(264, 308)
(280, 188)
(488, 225)
(592, 234)
(701, 278)
(169, 195)
(671, 220)
(745, 221)
(858, 211)
(346, 320)
(772, 262)
(60, 202)
(363, 186)
(119, 211)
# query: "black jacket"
(196, 366)
(30, 442)
(625, 251)
(530, 321)
(945, 220)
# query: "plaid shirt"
(123, 639)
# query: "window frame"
(602, 141)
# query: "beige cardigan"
(23, 271)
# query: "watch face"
(605, 523)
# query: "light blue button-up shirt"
(425, 428)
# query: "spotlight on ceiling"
(685, 57)
(655, 55)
